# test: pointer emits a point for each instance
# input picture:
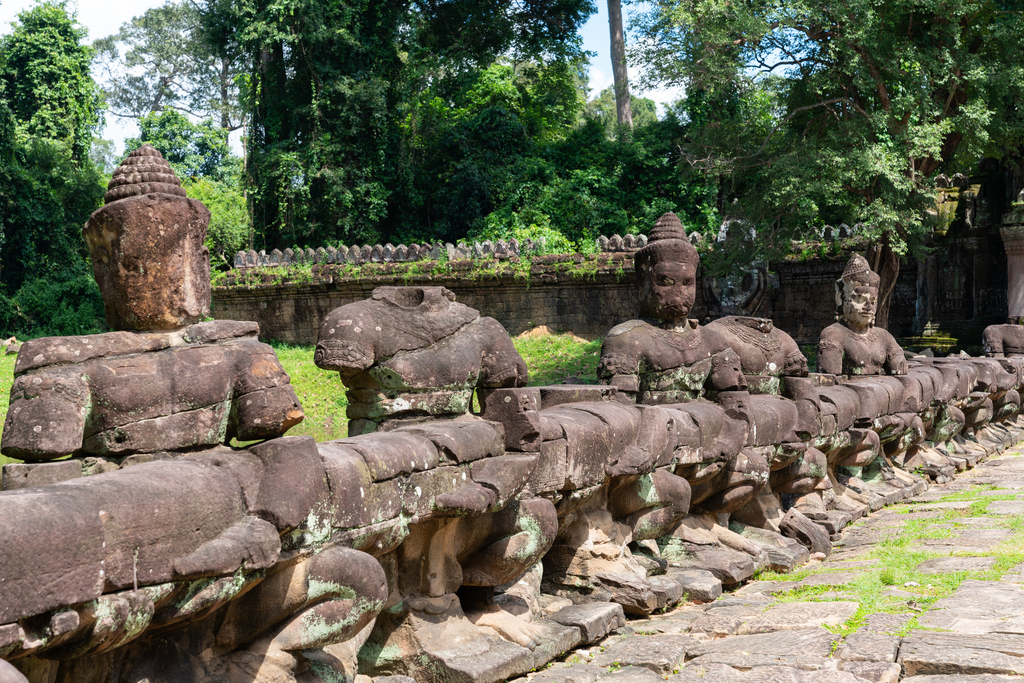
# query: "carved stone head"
(666, 272)
(857, 294)
(147, 248)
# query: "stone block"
(595, 620)
(796, 526)
(661, 654)
(25, 475)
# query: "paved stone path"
(927, 591)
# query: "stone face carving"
(855, 346)
(146, 214)
(412, 352)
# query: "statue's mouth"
(343, 356)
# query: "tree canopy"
(44, 72)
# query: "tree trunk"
(884, 261)
(622, 102)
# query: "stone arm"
(895, 359)
(620, 361)
(830, 352)
(795, 363)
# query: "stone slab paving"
(927, 591)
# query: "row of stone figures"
(389, 253)
(434, 542)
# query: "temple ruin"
(437, 542)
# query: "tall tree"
(620, 70)
(167, 57)
(334, 90)
(820, 111)
(44, 72)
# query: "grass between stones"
(894, 584)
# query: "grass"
(899, 555)
(554, 358)
(550, 359)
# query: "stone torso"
(842, 351)
(670, 366)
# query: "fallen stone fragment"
(698, 585)
(393, 679)
(661, 654)
(866, 646)
(798, 527)
(595, 620)
(728, 566)
(555, 639)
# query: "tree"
(340, 93)
(44, 70)
(620, 69)
(822, 112)
(167, 58)
(193, 149)
(602, 108)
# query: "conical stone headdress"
(143, 171)
(858, 270)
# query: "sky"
(104, 17)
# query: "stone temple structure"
(163, 526)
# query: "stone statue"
(855, 346)
(410, 353)
(666, 358)
(766, 352)
(170, 525)
(1003, 341)
(166, 381)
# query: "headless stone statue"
(855, 346)
(409, 353)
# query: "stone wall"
(959, 290)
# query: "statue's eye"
(666, 281)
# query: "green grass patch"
(320, 392)
(554, 358)
(6, 380)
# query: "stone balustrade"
(388, 253)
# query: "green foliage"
(48, 185)
(808, 115)
(393, 121)
(46, 198)
(193, 149)
(44, 73)
(602, 108)
(552, 358)
(229, 223)
(53, 308)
